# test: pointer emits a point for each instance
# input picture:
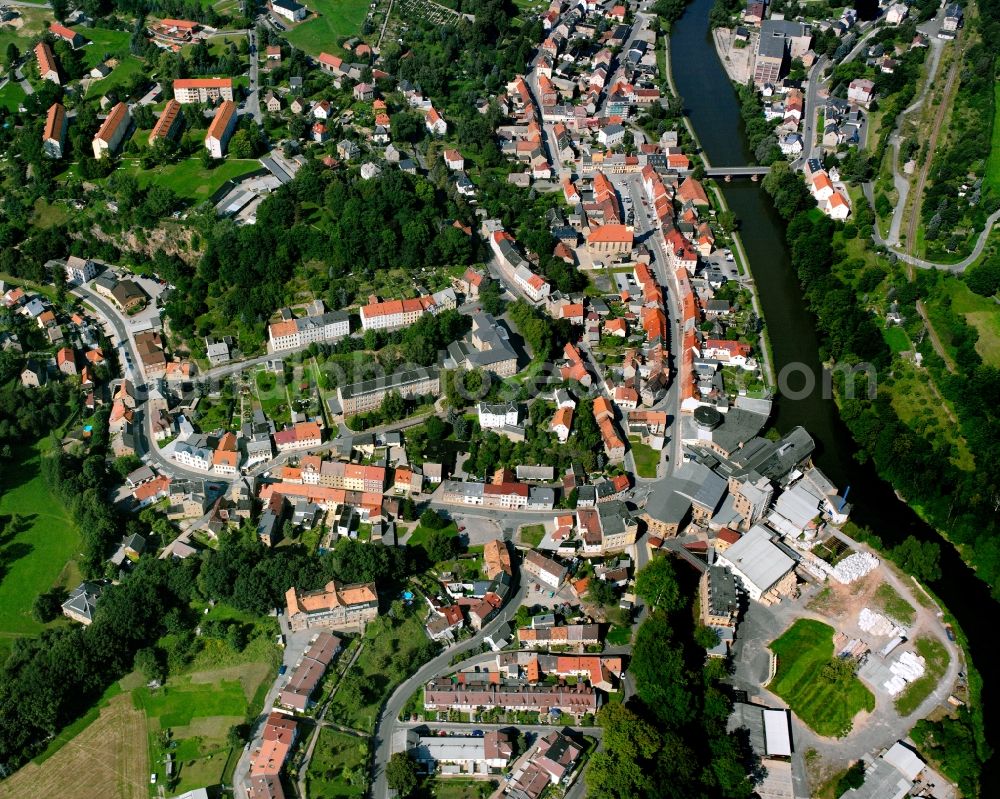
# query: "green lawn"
(619, 636)
(177, 705)
(827, 706)
(190, 179)
(338, 767)
(980, 312)
(36, 551)
(992, 178)
(934, 652)
(897, 339)
(104, 44)
(532, 534)
(11, 96)
(387, 659)
(646, 458)
(421, 534)
(120, 76)
(333, 20)
(893, 605)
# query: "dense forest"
(968, 144)
(962, 504)
(673, 731)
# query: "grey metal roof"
(758, 559)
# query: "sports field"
(826, 705)
(333, 20)
(108, 760)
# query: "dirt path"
(935, 341)
(917, 195)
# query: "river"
(713, 108)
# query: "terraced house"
(334, 607)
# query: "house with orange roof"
(48, 67)
(394, 314)
(562, 423)
(203, 90)
(299, 436)
(225, 462)
(332, 65)
(610, 239)
(68, 35)
(169, 123)
(691, 190)
(616, 327)
(573, 312)
(277, 739)
(221, 129)
(112, 131)
(54, 133)
(435, 122)
(335, 606)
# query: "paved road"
(251, 105)
(146, 447)
(296, 644)
(387, 721)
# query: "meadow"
(827, 706)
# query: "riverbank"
(713, 111)
(743, 262)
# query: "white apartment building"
(112, 131)
(394, 314)
(203, 90)
(291, 334)
(221, 129)
(492, 417)
(194, 457)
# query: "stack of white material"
(877, 624)
(906, 669)
(854, 567)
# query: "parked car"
(478, 734)
(283, 669)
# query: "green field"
(421, 534)
(105, 44)
(190, 179)
(36, 550)
(338, 767)
(936, 656)
(991, 180)
(980, 312)
(897, 339)
(827, 706)
(11, 96)
(120, 76)
(646, 458)
(386, 660)
(333, 20)
(532, 534)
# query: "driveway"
(296, 644)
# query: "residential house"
(338, 607)
(221, 129)
(82, 602)
(301, 435)
(112, 131)
(277, 740)
(203, 90)
(289, 9)
(545, 569)
(54, 134)
(169, 124)
(297, 692)
(48, 68)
